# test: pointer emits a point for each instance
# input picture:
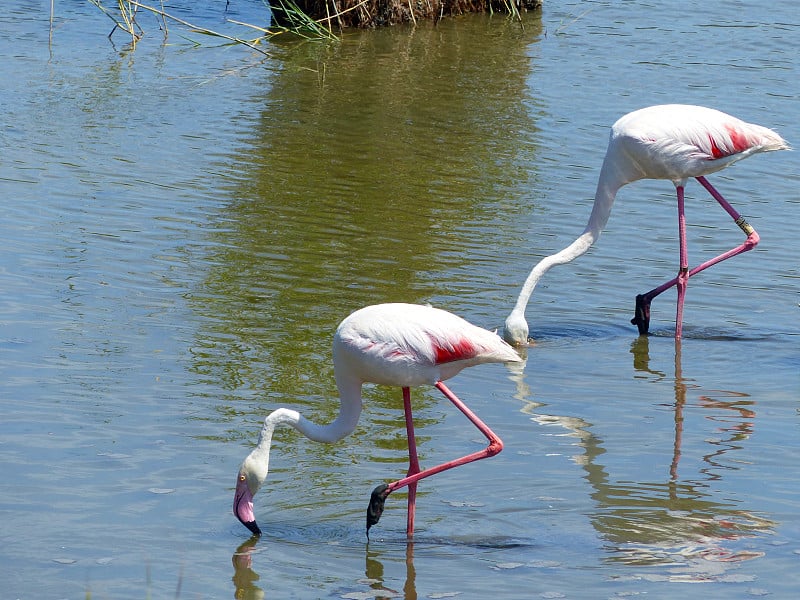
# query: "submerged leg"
(642, 315)
(380, 493)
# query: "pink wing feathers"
(730, 137)
(677, 141)
(457, 349)
(400, 343)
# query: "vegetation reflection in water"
(167, 293)
(333, 210)
(352, 206)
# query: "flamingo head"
(515, 331)
(248, 482)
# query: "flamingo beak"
(243, 505)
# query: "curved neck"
(607, 186)
(342, 426)
(571, 252)
(256, 465)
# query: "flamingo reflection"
(676, 519)
(244, 577)
(375, 577)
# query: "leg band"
(744, 226)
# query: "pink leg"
(380, 493)
(683, 269)
(642, 318)
(413, 461)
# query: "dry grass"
(123, 14)
(292, 17)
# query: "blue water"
(185, 225)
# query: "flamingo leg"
(683, 270)
(380, 493)
(413, 461)
(642, 316)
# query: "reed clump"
(378, 13)
(310, 19)
(124, 13)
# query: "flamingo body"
(675, 142)
(409, 345)
(402, 345)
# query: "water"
(185, 226)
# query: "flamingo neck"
(607, 187)
(343, 425)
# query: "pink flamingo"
(403, 345)
(672, 142)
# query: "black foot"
(642, 314)
(376, 502)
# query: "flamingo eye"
(242, 477)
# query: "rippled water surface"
(185, 224)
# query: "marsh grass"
(299, 23)
(512, 7)
(123, 14)
(126, 21)
(293, 20)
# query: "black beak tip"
(253, 527)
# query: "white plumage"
(403, 345)
(674, 142)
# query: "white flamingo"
(672, 142)
(402, 345)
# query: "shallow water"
(185, 226)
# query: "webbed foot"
(376, 502)
(642, 314)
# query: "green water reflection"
(370, 174)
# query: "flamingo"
(674, 142)
(402, 345)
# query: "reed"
(297, 17)
(294, 20)
(126, 20)
(123, 15)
